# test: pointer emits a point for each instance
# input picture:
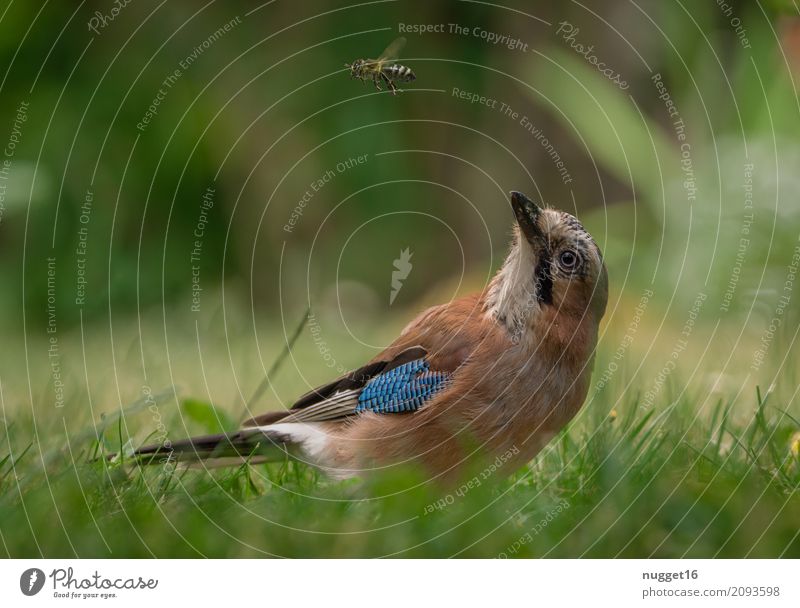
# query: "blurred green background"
(265, 110)
(159, 217)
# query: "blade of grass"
(276, 365)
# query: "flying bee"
(384, 68)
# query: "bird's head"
(553, 270)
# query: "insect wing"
(393, 50)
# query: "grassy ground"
(695, 473)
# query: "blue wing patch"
(403, 389)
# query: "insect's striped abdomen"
(399, 72)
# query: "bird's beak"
(528, 215)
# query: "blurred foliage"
(266, 109)
(736, 106)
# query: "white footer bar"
(401, 583)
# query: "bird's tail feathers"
(254, 445)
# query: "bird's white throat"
(511, 297)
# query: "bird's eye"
(568, 259)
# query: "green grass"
(664, 482)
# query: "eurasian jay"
(497, 372)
